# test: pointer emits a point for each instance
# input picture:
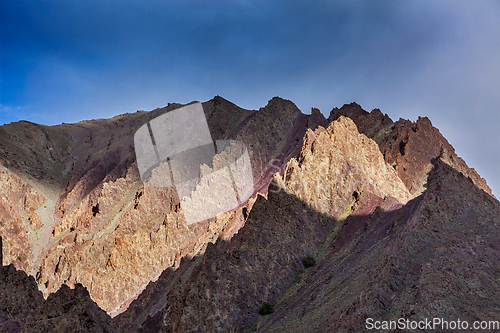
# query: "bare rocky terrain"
(398, 225)
(75, 210)
(438, 256)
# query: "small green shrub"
(266, 309)
(309, 262)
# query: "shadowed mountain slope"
(23, 308)
(436, 257)
(394, 228)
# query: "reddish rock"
(102, 227)
(436, 257)
(410, 147)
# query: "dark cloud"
(64, 61)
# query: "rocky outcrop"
(336, 165)
(72, 200)
(410, 147)
(436, 257)
(99, 225)
(23, 308)
(223, 289)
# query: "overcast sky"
(65, 61)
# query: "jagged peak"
(424, 120)
(351, 110)
(219, 103)
(316, 111)
(316, 118)
(279, 108)
(277, 102)
(377, 113)
(351, 105)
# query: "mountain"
(438, 256)
(408, 146)
(389, 212)
(23, 308)
(77, 212)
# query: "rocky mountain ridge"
(408, 146)
(78, 212)
(435, 257)
(128, 245)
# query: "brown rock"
(223, 289)
(105, 229)
(436, 257)
(410, 147)
(338, 164)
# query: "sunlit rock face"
(337, 164)
(336, 168)
(376, 203)
(75, 210)
(410, 147)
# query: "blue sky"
(65, 61)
